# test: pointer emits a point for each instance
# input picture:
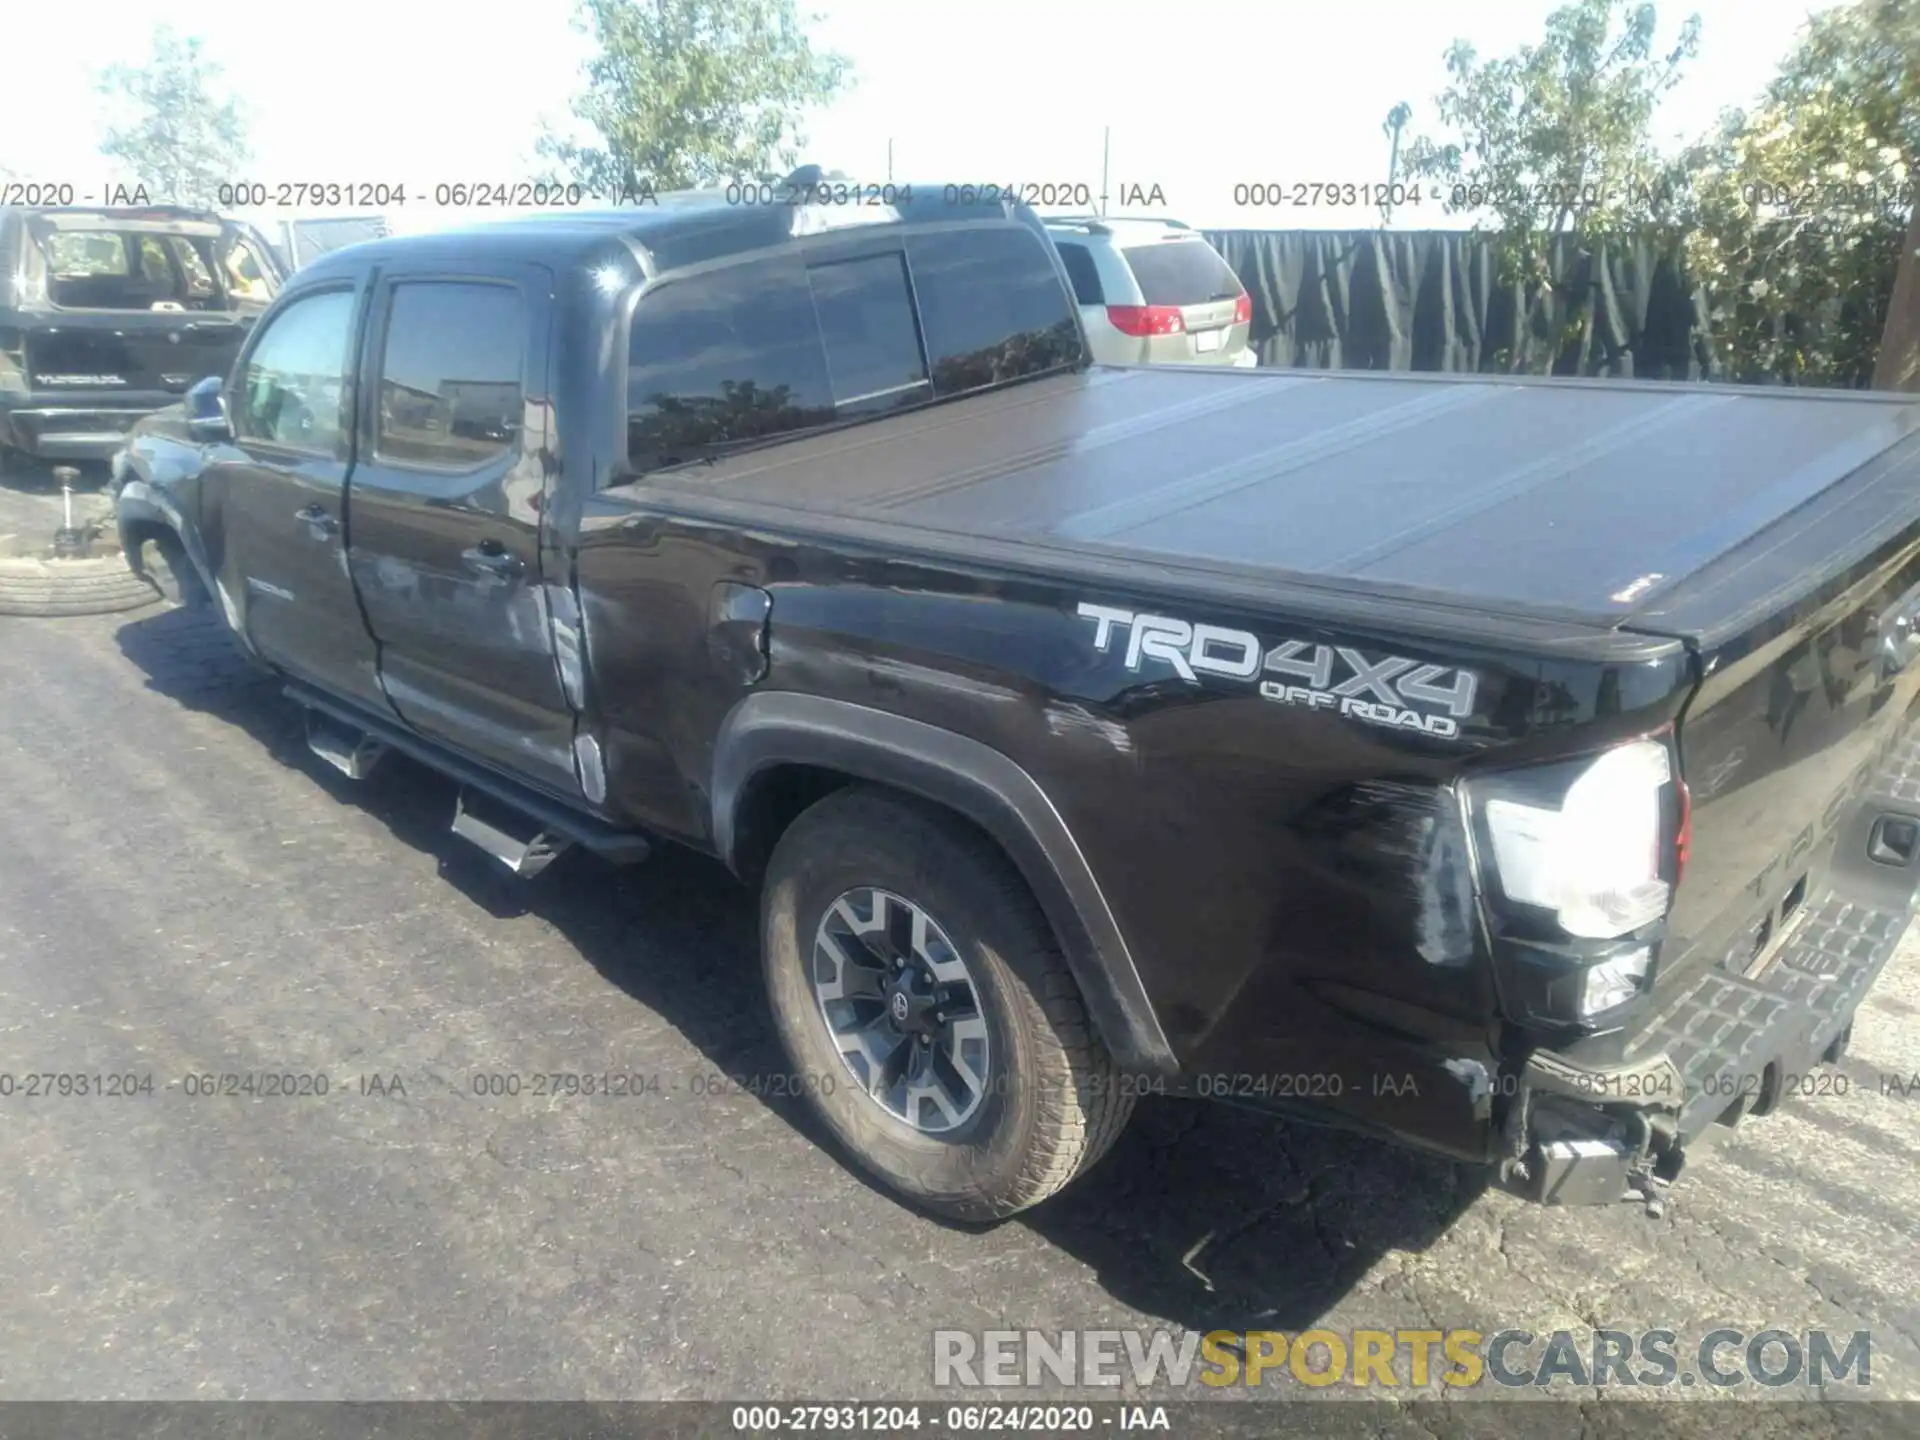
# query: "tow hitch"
(1566, 1153)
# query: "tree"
(1557, 136)
(178, 139)
(1796, 212)
(687, 92)
(1898, 366)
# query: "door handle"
(318, 522)
(490, 557)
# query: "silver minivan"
(1154, 292)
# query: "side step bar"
(518, 823)
(346, 748)
(523, 846)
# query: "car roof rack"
(1093, 224)
(1103, 224)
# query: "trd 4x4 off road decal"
(1388, 690)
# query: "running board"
(524, 846)
(530, 808)
(346, 748)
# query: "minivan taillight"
(1144, 320)
(1243, 309)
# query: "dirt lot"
(184, 891)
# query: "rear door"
(278, 492)
(1183, 271)
(444, 522)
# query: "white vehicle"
(1154, 292)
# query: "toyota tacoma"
(1518, 768)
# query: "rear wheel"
(927, 1011)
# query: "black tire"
(164, 563)
(101, 586)
(1051, 1103)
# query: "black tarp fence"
(1432, 300)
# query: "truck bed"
(1609, 502)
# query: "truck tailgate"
(1805, 634)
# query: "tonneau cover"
(1593, 498)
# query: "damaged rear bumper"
(1730, 1045)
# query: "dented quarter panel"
(1293, 883)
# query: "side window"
(451, 374)
(72, 253)
(733, 354)
(153, 261)
(1082, 271)
(993, 306)
(199, 278)
(291, 391)
(874, 360)
(248, 277)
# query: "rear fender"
(770, 729)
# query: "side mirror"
(207, 419)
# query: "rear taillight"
(1243, 309)
(1594, 860)
(1683, 831)
(1144, 320)
(1579, 861)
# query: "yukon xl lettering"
(1398, 751)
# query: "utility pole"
(1396, 122)
(1106, 152)
(1898, 364)
(889, 159)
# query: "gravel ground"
(184, 890)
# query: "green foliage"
(172, 133)
(688, 92)
(1796, 212)
(1556, 136)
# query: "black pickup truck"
(1518, 768)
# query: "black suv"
(108, 315)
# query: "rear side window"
(874, 360)
(734, 354)
(1181, 272)
(451, 374)
(1081, 270)
(993, 306)
(76, 254)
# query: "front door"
(280, 488)
(444, 515)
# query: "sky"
(1196, 97)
